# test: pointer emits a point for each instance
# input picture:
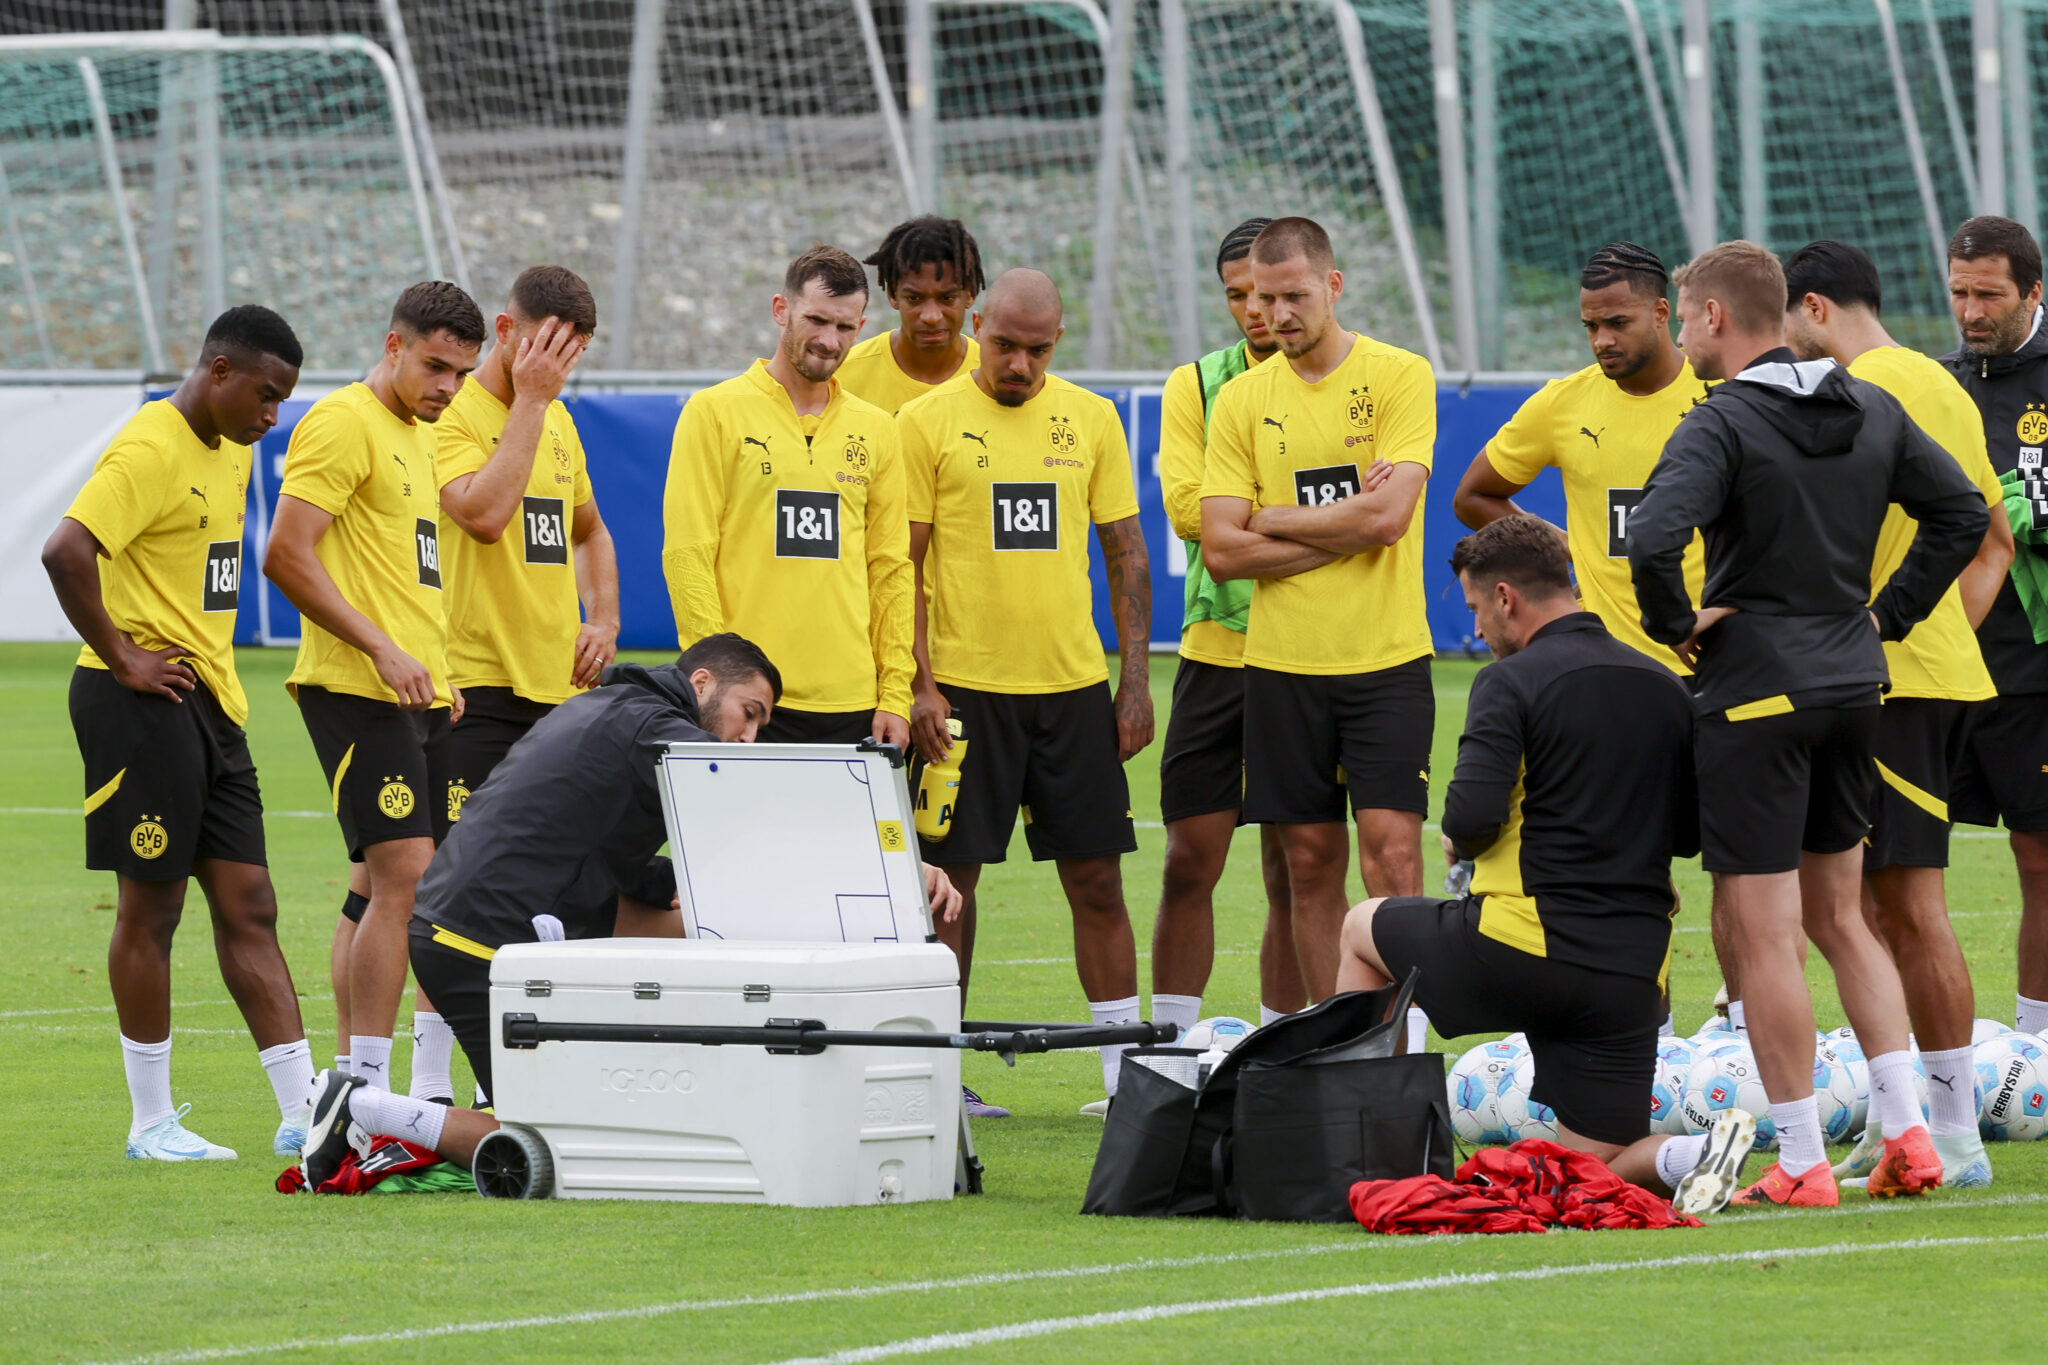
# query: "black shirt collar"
(1563, 625)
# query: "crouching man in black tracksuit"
(1788, 469)
(1574, 790)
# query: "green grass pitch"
(107, 1259)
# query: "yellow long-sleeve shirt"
(792, 531)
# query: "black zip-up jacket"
(2007, 389)
(1575, 789)
(1787, 470)
(569, 819)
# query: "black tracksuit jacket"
(2006, 388)
(570, 819)
(1787, 470)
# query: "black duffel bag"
(1291, 1118)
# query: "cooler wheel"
(513, 1163)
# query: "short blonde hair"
(1745, 277)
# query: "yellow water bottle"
(938, 790)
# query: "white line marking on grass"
(109, 1009)
(856, 1292)
(1044, 1327)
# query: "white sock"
(1267, 1014)
(483, 1101)
(2030, 1016)
(1800, 1146)
(1418, 1028)
(1951, 1092)
(400, 1116)
(149, 1082)
(341, 1064)
(1183, 1010)
(1735, 1019)
(290, 1068)
(433, 1049)
(1124, 1011)
(370, 1058)
(1667, 1029)
(1677, 1157)
(1894, 1100)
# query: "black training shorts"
(1307, 736)
(1919, 742)
(1051, 753)
(455, 974)
(166, 783)
(817, 727)
(2001, 775)
(462, 755)
(1201, 761)
(1775, 786)
(375, 756)
(1593, 1034)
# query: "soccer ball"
(1842, 1042)
(1474, 1085)
(1520, 1116)
(1716, 1026)
(1219, 1034)
(1675, 1058)
(1726, 1078)
(1835, 1094)
(2012, 1088)
(1984, 1030)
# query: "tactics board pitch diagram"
(792, 842)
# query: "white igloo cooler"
(737, 1123)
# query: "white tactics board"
(804, 842)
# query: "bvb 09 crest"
(856, 454)
(2033, 425)
(395, 798)
(1359, 409)
(1061, 434)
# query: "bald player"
(1007, 466)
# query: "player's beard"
(815, 368)
(1304, 341)
(1632, 364)
(2008, 334)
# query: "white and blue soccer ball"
(1520, 1115)
(1716, 1026)
(1474, 1085)
(1723, 1079)
(1675, 1058)
(1984, 1030)
(2012, 1088)
(1836, 1097)
(1219, 1033)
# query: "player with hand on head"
(2001, 777)
(1788, 469)
(1938, 687)
(1201, 762)
(147, 565)
(784, 519)
(1573, 793)
(356, 547)
(521, 543)
(931, 273)
(1315, 473)
(1007, 466)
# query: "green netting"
(270, 175)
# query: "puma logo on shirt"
(981, 440)
(746, 441)
(1592, 435)
(201, 495)
(1279, 426)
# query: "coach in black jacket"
(1574, 790)
(1788, 469)
(2001, 776)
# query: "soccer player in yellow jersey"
(1603, 428)
(1938, 685)
(147, 565)
(1007, 466)
(784, 520)
(355, 546)
(1201, 761)
(1316, 468)
(930, 269)
(521, 538)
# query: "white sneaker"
(1714, 1179)
(1864, 1156)
(291, 1133)
(1965, 1165)
(169, 1141)
(1096, 1108)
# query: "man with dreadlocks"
(1603, 428)
(930, 269)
